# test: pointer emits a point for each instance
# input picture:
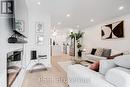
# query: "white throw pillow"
(88, 50)
(123, 61)
(120, 77)
(105, 65)
(99, 52)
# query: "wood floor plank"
(53, 77)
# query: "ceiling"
(81, 11)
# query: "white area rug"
(64, 65)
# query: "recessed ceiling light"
(38, 3)
(68, 15)
(121, 8)
(91, 20)
(59, 23)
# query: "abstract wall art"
(113, 31)
(19, 25)
(39, 27)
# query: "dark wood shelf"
(16, 32)
(16, 40)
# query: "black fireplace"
(17, 55)
(14, 65)
(14, 56)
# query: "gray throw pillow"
(123, 61)
(106, 53)
(106, 65)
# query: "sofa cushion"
(99, 52)
(120, 77)
(79, 72)
(95, 66)
(95, 58)
(123, 61)
(105, 65)
(82, 71)
(88, 50)
(106, 52)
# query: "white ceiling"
(81, 11)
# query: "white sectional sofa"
(88, 56)
(80, 76)
(112, 73)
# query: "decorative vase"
(79, 54)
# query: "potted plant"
(79, 50)
(72, 35)
(79, 53)
(78, 36)
(72, 45)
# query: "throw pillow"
(112, 57)
(99, 52)
(123, 61)
(95, 66)
(88, 50)
(106, 52)
(105, 65)
(93, 51)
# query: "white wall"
(5, 33)
(37, 15)
(21, 13)
(92, 37)
(5, 47)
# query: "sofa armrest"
(84, 54)
(120, 77)
(80, 76)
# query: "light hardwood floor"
(53, 77)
